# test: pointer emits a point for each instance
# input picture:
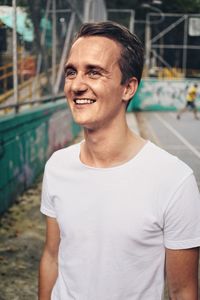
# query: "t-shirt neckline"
(120, 166)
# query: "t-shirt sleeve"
(47, 203)
(182, 217)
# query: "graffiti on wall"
(36, 140)
(25, 148)
(59, 130)
(168, 94)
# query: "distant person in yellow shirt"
(190, 104)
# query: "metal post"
(129, 11)
(73, 6)
(54, 44)
(185, 41)
(15, 69)
(63, 57)
(87, 5)
(147, 43)
(39, 62)
(42, 41)
(132, 20)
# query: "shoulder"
(63, 157)
(171, 179)
(166, 166)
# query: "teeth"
(84, 101)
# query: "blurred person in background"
(190, 102)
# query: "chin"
(81, 119)
(81, 122)
(86, 125)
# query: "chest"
(99, 209)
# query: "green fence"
(26, 141)
(163, 95)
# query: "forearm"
(182, 273)
(184, 294)
(48, 273)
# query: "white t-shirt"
(116, 222)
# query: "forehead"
(95, 48)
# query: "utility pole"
(147, 43)
(15, 68)
(132, 21)
(54, 45)
(148, 39)
(185, 41)
(87, 9)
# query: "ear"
(130, 88)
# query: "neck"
(110, 146)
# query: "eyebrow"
(97, 67)
(69, 66)
(88, 67)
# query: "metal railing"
(16, 107)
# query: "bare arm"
(182, 273)
(48, 270)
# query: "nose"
(78, 84)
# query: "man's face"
(93, 82)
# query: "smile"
(84, 101)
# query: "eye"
(94, 74)
(70, 73)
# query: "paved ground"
(179, 137)
(22, 228)
(21, 242)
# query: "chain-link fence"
(172, 42)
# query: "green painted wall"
(26, 141)
(163, 95)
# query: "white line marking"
(153, 134)
(178, 135)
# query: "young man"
(120, 211)
(190, 102)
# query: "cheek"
(95, 84)
(100, 87)
(66, 88)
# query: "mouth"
(84, 101)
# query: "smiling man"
(121, 212)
